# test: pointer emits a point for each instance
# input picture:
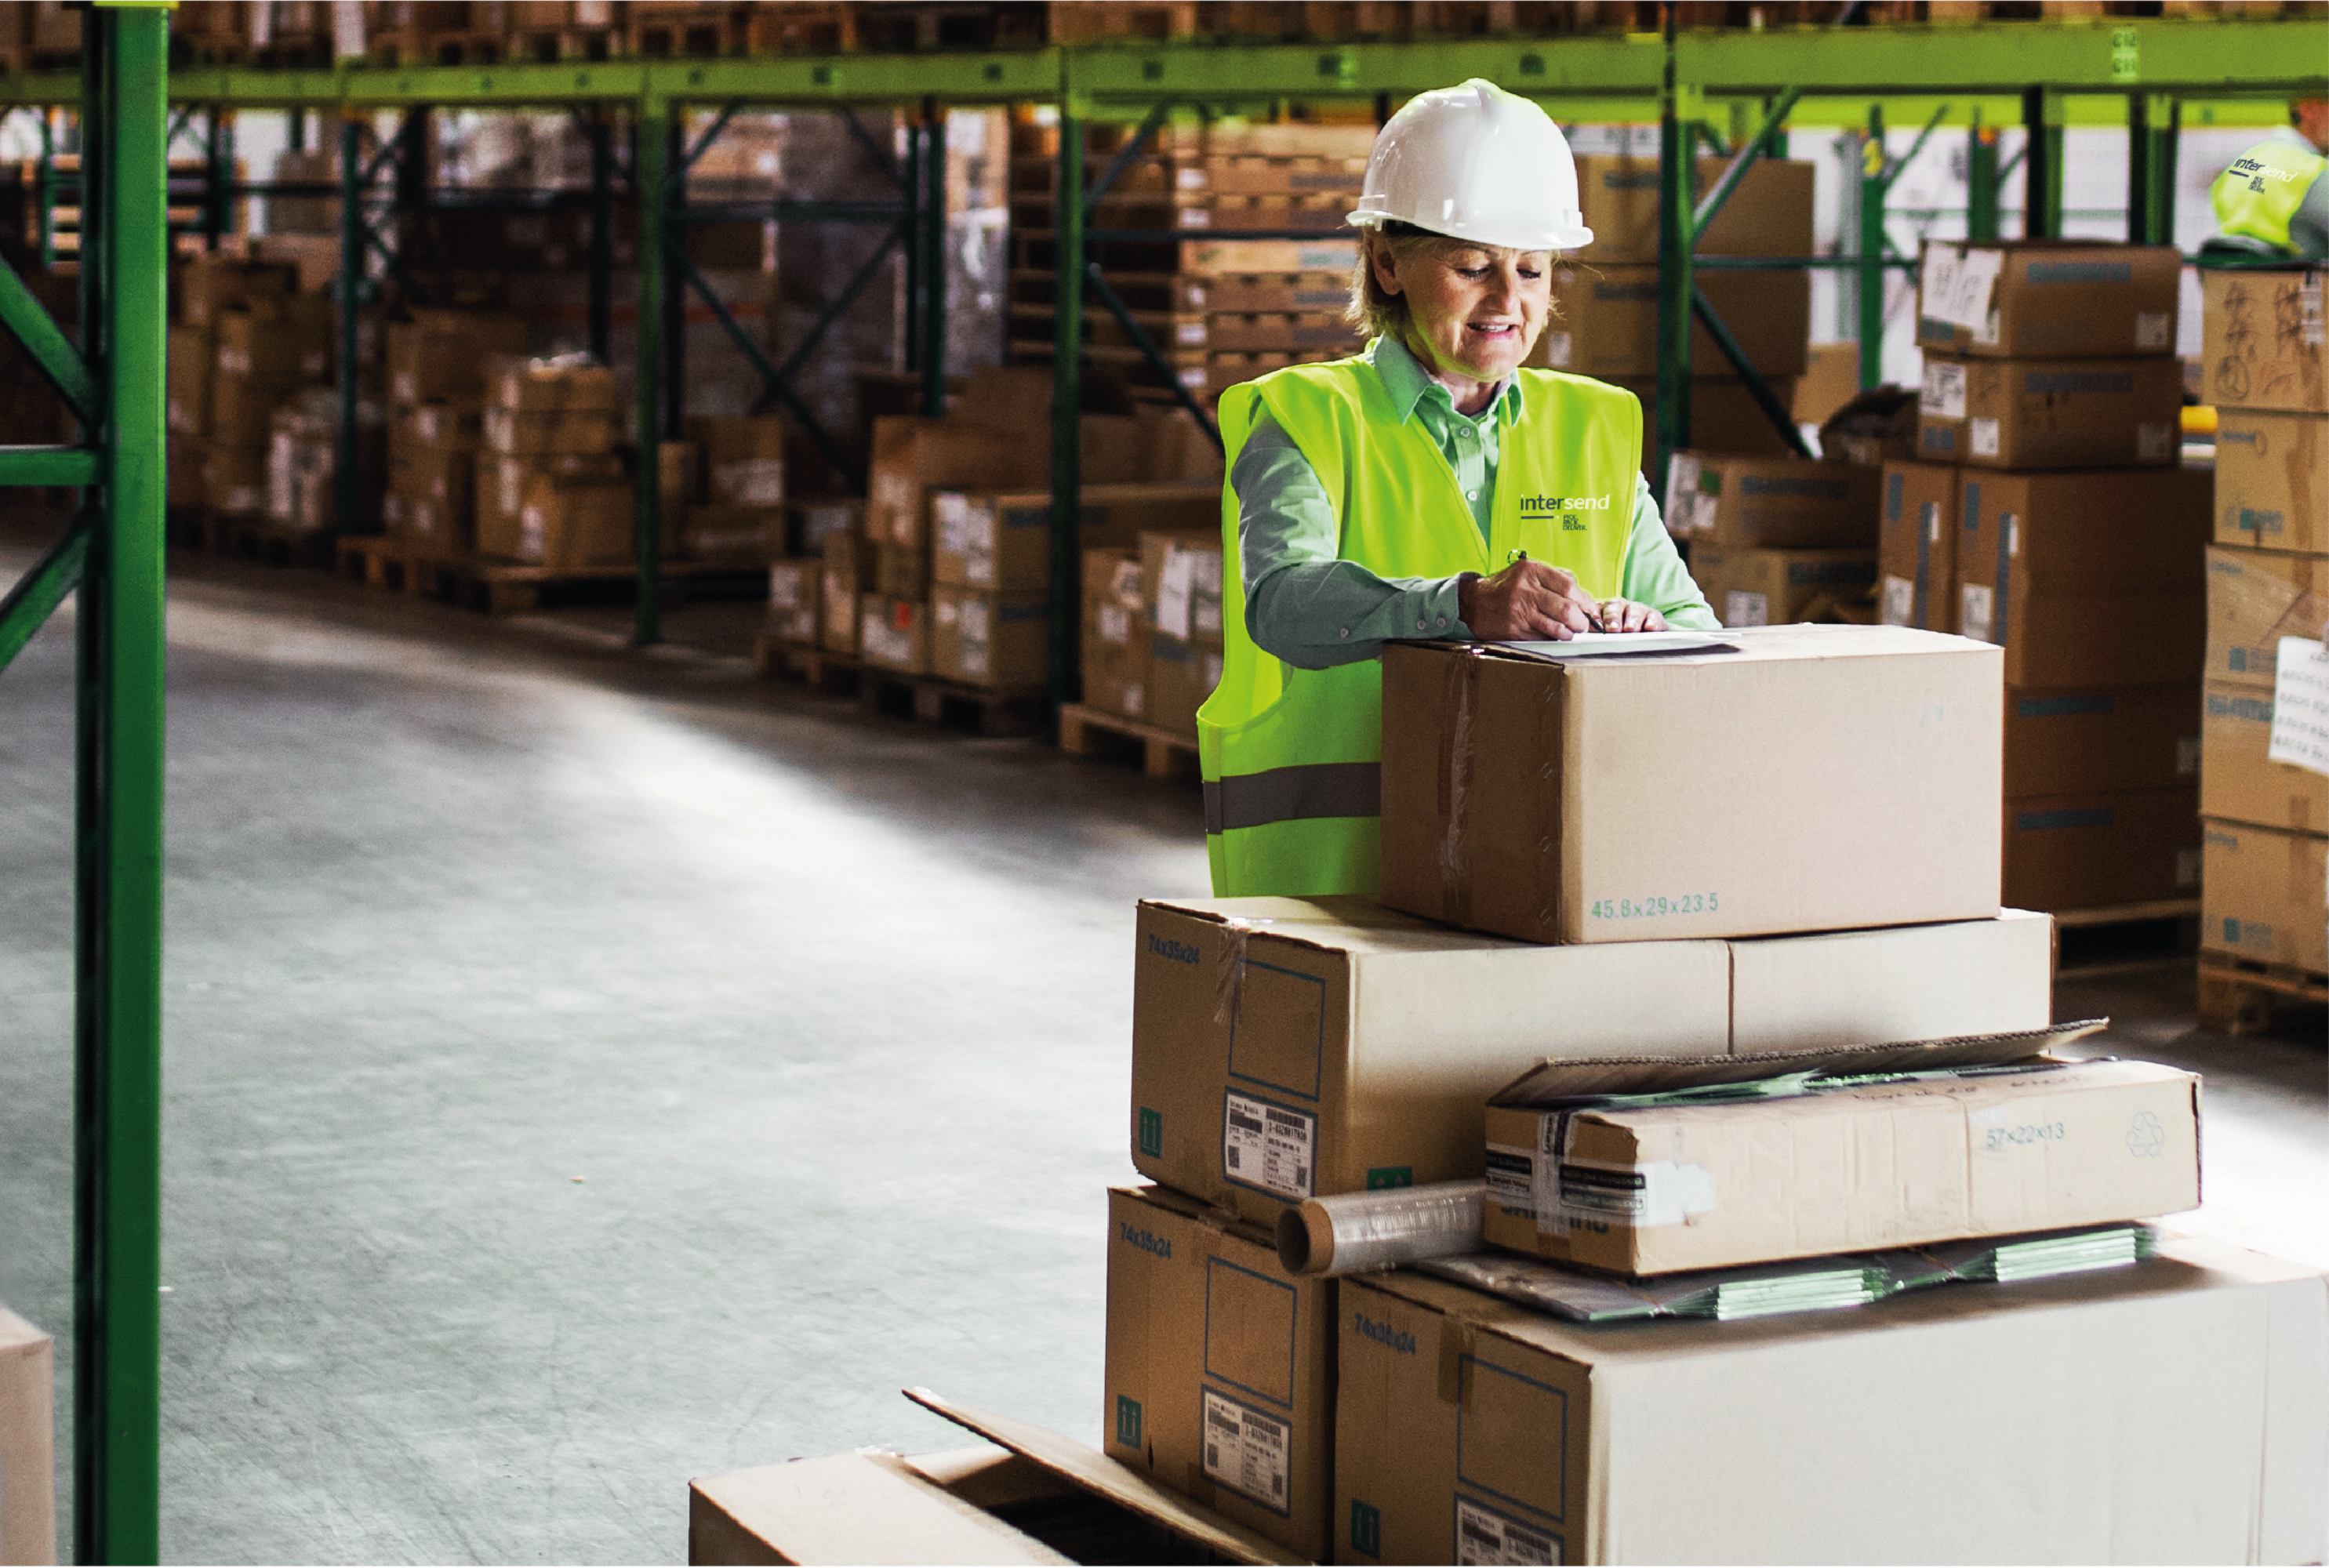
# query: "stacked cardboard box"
(1290, 1049)
(2047, 514)
(1152, 619)
(1777, 539)
(238, 348)
(553, 460)
(733, 492)
(2262, 872)
(436, 387)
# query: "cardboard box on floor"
(1284, 1049)
(894, 634)
(1116, 635)
(2102, 848)
(2187, 1409)
(2255, 599)
(2078, 740)
(2048, 298)
(282, 342)
(1607, 323)
(742, 534)
(2050, 413)
(2085, 579)
(1483, 824)
(1777, 588)
(1001, 540)
(793, 596)
(1646, 1188)
(443, 353)
(499, 493)
(988, 639)
(847, 577)
(2272, 480)
(1771, 504)
(28, 1461)
(1180, 676)
(580, 522)
(2261, 895)
(1917, 549)
(1220, 1372)
(2239, 780)
(2261, 345)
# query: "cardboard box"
(2239, 780)
(988, 639)
(28, 1460)
(1284, 1049)
(744, 534)
(1181, 582)
(211, 285)
(894, 634)
(282, 348)
(847, 573)
(186, 394)
(1916, 547)
(242, 409)
(2108, 847)
(2184, 1409)
(234, 479)
(2052, 413)
(2261, 342)
(793, 598)
(526, 386)
(2085, 579)
(1180, 676)
(743, 459)
(1663, 1186)
(1772, 503)
(1606, 322)
(2082, 740)
(2048, 298)
(2255, 599)
(1768, 587)
(2262, 894)
(901, 571)
(914, 456)
(454, 427)
(500, 493)
(577, 522)
(1116, 634)
(443, 353)
(815, 521)
(580, 431)
(1723, 417)
(1770, 214)
(1001, 540)
(1221, 1369)
(1483, 826)
(2272, 480)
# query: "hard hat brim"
(1571, 236)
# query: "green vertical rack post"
(2151, 122)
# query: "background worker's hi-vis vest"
(2262, 189)
(1293, 757)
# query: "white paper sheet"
(1956, 285)
(2300, 704)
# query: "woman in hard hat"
(1428, 487)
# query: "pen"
(1593, 617)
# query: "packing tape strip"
(1455, 783)
(1228, 971)
(1456, 1342)
(1354, 1233)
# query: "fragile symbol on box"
(1268, 1147)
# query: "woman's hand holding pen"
(1527, 601)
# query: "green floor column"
(119, 1147)
(1981, 179)
(652, 160)
(1870, 297)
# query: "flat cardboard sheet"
(865, 1507)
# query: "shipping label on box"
(2262, 893)
(2262, 341)
(2272, 480)
(1651, 1183)
(2055, 413)
(1917, 551)
(2098, 848)
(794, 597)
(1219, 1367)
(1470, 1429)
(2061, 298)
(1491, 819)
(2255, 599)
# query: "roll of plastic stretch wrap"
(1355, 1232)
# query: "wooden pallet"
(2239, 996)
(992, 711)
(257, 539)
(384, 560)
(416, 47)
(821, 667)
(1163, 753)
(2125, 938)
(505, 587)
(548, 45)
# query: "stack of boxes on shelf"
(945, 571)
(1152, 618)
(2048, 514)
(2263, 882)
(1608, 295)
(1220, 309)
(1774, 541)
(436, 398)
(1555, 932)
(564, 496)
(730, 490)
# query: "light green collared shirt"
(1314, 610)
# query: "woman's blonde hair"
(1377, 313)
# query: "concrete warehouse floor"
(588, 1070)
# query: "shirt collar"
(1409, 386)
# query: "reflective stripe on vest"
(1292, 758)
(2257, 195)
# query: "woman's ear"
(1385, 266)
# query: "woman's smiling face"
(1477, 311)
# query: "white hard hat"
(1475, 163)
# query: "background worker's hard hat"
(1477, 163)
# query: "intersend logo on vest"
(1546, 508)
(1383, 1334)
(1147, 1241)
(2246, 166)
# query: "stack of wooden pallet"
(1206, 239)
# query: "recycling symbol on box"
(2145, 1136)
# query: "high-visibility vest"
(1292, 758)
(2262, 189)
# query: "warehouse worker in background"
(1428, 487)
(2273, 199)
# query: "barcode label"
(1486, 1536)
(1268, 1146)
(1511, 1174)
(1248, 1452)
(1900, 601)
